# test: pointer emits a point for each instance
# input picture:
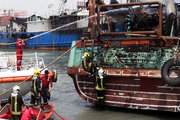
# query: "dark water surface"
(70, 106)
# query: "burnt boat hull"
(140, 90)
(137, 88)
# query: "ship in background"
(15, 24)
(137, 44)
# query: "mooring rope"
(59, 115)
(19, 84)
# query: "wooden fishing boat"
(139, 51)
(41, 114)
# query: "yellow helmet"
(36, 72)
(86, 54)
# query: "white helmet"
(101, 73)
(16, 89)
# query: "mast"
(63, 8)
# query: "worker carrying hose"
(36, 88)
(16, 103)
(20, 44)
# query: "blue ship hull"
(55, 40)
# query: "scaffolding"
(7, 14)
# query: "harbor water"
(69, 105)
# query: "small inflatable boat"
(43, 113)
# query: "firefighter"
(87, 62)
(99, 81)
(46, 89)
(20, 44)
(36, 89)
(16, 102)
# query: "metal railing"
(8, 60)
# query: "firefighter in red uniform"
(20, 44)
(46, 80)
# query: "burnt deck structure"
(133, 60)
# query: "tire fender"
(165, 72)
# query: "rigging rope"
(43, 68)
(177, 50)
(117, 58)
(177, 47)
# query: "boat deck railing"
(8, 61)
(5, 109)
